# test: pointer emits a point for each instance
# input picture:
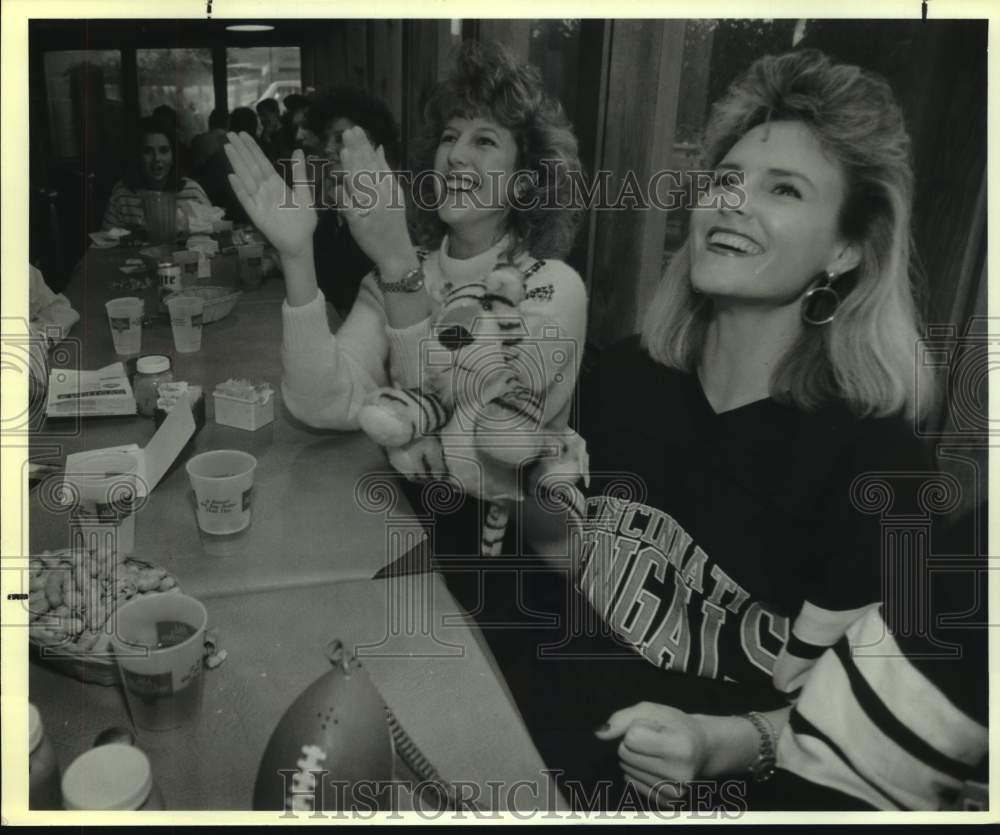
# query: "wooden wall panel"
(385, 64)
(638, 135)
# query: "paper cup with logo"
(251, 265)
(159, 645)
(222, 481)
(125, 319)
(186, 317)
(102, 496)
(189, 262)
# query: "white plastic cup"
(222, 481)
(125, 319)
(159, 644)
(186, 314)
(103, 492)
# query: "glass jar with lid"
(151, 370)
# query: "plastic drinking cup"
(186, 316)
(125, 319)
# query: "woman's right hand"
(285, 216)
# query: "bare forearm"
(733, 741)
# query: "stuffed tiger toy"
(477, 416)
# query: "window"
(181, 79)
(84, 98)
(715, 52)
(262, 72)
(555, 50)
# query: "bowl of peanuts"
(73, 597)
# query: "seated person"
(269, 113)
(722, 550)
(340, 262)
(155, 167)
(215, 172)
(204, 145)
(295, 133)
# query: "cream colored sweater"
(327, 377)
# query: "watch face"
(413, 280)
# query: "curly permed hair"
(488, 82)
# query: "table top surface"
(328, 494)
(325, 519)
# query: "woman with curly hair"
(155, 166)
(729, 539)
(494, 144)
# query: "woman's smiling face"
(475, 160)
(157, 158)
(769, 250)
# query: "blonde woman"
(726, 544)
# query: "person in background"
(204, 145)
(726, 542)
(168, 116)
(244, 119)
(269, 113)
(340, 262)
(295, 133)
(155, 166)
(216, 170)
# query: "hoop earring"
(825, 285)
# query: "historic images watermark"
(313, 796)
(550, 187)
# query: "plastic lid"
(111, 776)
(36, 730)
(153, 364)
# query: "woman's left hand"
(375, 208)
(661, 748)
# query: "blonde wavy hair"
(866, 357)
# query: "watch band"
(411, 281)
(762, 767)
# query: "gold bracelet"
(762, 767)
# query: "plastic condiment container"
(150, 372)
(43, 770)
(114, 776)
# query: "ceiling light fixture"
(250, 27)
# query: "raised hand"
(285, 216)
(374, 205)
